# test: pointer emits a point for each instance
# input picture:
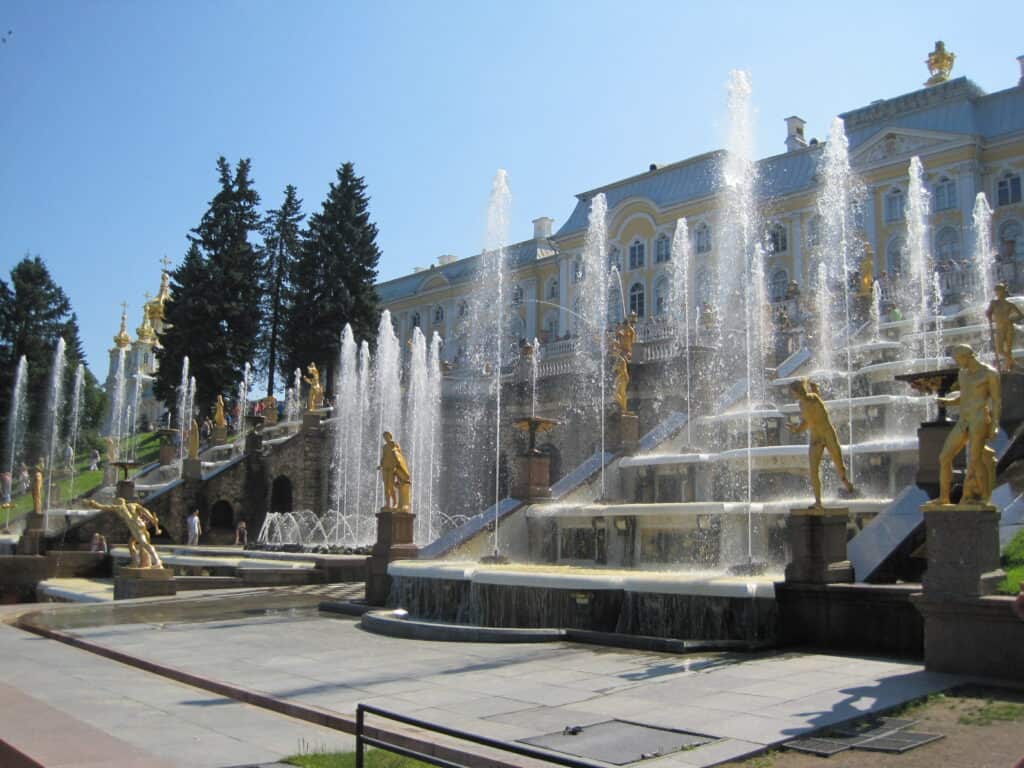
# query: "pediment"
(891, 144)
(433, 283)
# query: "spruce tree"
(332, 282)
(282, 240)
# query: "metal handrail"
(503, 746)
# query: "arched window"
(778, 242)
(662, 290)
(778, 284)
(636, 255)
(1008, 189)
(615, 258)
(416, 322)
(578, 271)
(1009, 239)
(552, 292)
(944, 195)
(517, 295)
(814, 231)
(702, 238)
(438, 315)
(614, 305)
(894, 205)
(894, 256)
(947, 246)
(662, 249)
(636, 299)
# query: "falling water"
(823, 307)
(984, 253)
(936, 297)
(679, 316)
(243, 401)
(876, 311)
(919, 254)
(77, 396)
(418, 428)
(117, 404)
(347, 421)
(17, 417)
(54, 408)
(386, 385)
(534, 364)
(363, 454)
(434, 439)
(293, 398)
(495, 243)
(183, 414)
(133, 410)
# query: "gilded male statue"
(138, 519)
(316, 391)
(394, 471)
(980, 401)
(37, 489)
(815, 420)
(218, 412)
(1002, 314)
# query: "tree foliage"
(282, 241)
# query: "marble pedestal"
(534, 477)
(126, 490)
(220, 434)
(963, 550)
(134, 582)
(817, 542)
(192, 469)
(394, 542)
(33, 537)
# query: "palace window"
(551, 325)
(1009, 237)
(662, 249)
(814, 231)
(894, 202)
(702, 238)
(779, 283)
(947, 246)
(416, 322)
(777, 239)
(615, 259)
(1008, 189)
(944, 196)
(439, 315)
(578, 272)
(553, 288)
(661, 296)
(517, 295)
(636, 299)
(636, 255)
(894, 256)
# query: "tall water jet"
(243, 401)
(54, 413)
(419, 425)
(117, 402)
(534, 367)
(17, 417)
(346, 423)
(919, 255)
(184, 417)
(679, 315)
(823, 308)
(876, 311)
(293, 398)
(75, 422)
(984, 253)
(435, 441)
(363, 526)
(133, 411)
(387, 385)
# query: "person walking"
(195, 528)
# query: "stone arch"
(281, 494)
(222, 517)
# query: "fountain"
(984, 253)
(77, 396)
(54, 412)
(679, 316)
(919, 256)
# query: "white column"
(796, 244)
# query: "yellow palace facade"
(968, 142)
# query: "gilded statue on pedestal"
(621, 354)
(940, 64)
(138, 519)
(980, 401)
(315, 398)
(395, 474)
(867, 272)
(218, 412)
(37, 489)
(1002, 314)
(815, 420)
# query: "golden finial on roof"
(145, 331)
(940, 64)
(122, 339)
(155, 307)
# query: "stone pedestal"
(628, 433)
(126, 490)
(143, 582)
(33, 538)
(817, 541)
(311, 420)
(394, 542)
(534, 477)
(168, 453)
(963, 550)
(192, 469)
(220, 434)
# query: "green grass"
(1014, 552)
(993, 711)
(374, 758)
(1011, 584)
(1013, 564)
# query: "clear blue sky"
(112, 114)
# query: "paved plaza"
(504, 691)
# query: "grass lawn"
(1011, 584)
(374, 758)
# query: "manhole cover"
(900, 741)
(618, 741)
(819, 747)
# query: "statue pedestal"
(817, 542)
(312, 419)
(33, 538)
(220, 434)
(394, 542)
(963, 550)
(134, 582)
(628, 433)
(126, 490)
(534, 477)
(168, 453)
(192, 469)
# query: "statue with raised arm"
(395, 474)
(316, 391)
(193, 440)
(980, 401)
(814, 419)
(1002, 314)
(625, 337)
(138, 519)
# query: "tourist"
(5, 483)
(195, 528)
(23, 481)
(69, 456)
(241, 534)
(99, 543)
(94, 464)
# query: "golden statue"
(315, 399)
(395, 474)
(867, 272)
(37, 489)
(218, 412)
(138, 519)
(625, 337)
(112, 449)
(193, 440)
(815, 420)
(980, 400)
(1002, 314)
(620, 370)
(940, 64)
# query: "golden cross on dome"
(124, 307)
(166, 262)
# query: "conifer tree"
(282, 240)
(332, 282)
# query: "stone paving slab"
(506, 691)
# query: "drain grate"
(821, 747)
(869, 729)
(898, 742)
(875, 735)
(618, 741)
